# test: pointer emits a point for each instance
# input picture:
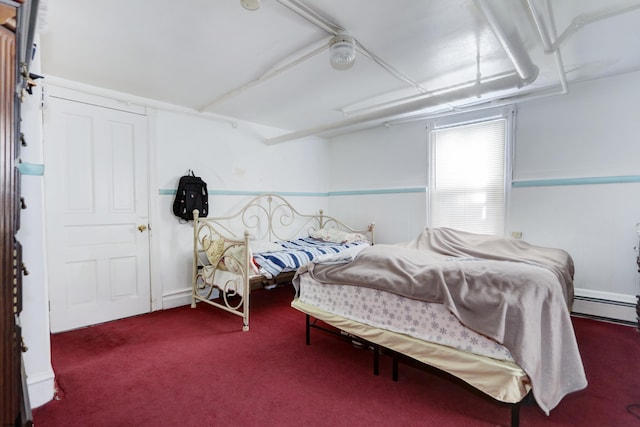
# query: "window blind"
(467, 179)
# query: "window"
(469, 167)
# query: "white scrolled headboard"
(271, 217)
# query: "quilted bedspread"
(506, 289)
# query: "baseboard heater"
(623, 312)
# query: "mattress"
(293, 254)
(297, 252)
(421, 320)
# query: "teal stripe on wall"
(381, 191)
(31, 169)
(407, 190)
(577, 181)
(172, 192)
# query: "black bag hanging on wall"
(191, 194)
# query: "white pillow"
(234, 257)
(229, 257)
(214, 249)
(337, 236)
(261, 246)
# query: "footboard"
(221, 273)
(223, 265)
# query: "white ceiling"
(271, 66)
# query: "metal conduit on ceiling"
(526, 72)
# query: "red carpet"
(195, 367)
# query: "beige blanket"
(506, 289)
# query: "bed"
(262, 244)
(490, 311)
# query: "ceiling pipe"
(510, 42)
(298, 57)
(477, 80)
(548, 45)
(468, 91)
(478, 106)
(312, 16)
(277, 69)
(388, 68)
(543, 33)
(324, 24)
(526, 72)
(545, 38)
(589, 18)
(577, 23)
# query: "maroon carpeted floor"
(194, 367)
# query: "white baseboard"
(609, 305)
(176, 298)
(179, 298)
(42, 388)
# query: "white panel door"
(97, 214)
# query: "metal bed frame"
(265, 217)
(323, 325)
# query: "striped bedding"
(296, 253)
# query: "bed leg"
(396, 360)
(515, 414)
(376, 360)
(308, 330)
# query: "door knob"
(142, 227)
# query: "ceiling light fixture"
(250, 4)
(342, 51)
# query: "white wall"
(592, 131)
(380, 175)
(562, 143)
(34, 319)
(235, 164)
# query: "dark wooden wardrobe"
(17, 21)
